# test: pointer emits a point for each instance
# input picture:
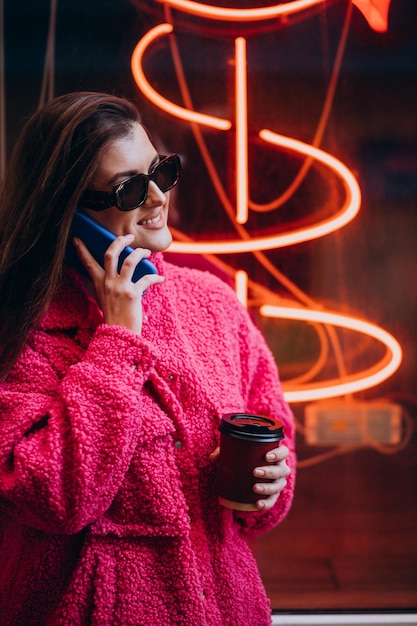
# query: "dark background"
(349, 542)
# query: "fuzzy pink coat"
(108, 507)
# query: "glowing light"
(350, 384)
(375, 12)
(158, 100)
(240, 15)
(241, 132)
(302, 388)
(298, 235)
(241, 287)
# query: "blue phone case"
(97, 239)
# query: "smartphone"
(97, 239)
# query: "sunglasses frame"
(100, 200)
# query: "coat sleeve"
(66, 438)
(265, 397)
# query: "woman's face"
(121, 159)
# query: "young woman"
(112, 391)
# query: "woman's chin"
(156, 242)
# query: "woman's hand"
(277, 473)
(120, 299)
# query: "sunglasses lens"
(133, 193)
(166, 173)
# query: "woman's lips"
(155, 220)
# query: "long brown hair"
(51, 165)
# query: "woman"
(111, 397)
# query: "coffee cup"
(244, 441)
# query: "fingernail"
(258, 472)
(76, 242)
(271, 457)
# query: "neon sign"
(240, 15)
(308, 311)
(375, 11)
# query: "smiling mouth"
(152, 220)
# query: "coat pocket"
(150, 501)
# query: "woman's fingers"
(275, 476)
(213, 457)
(93, 268)
(119, 297)
(113, 252)
(277, 454)
(112, 258)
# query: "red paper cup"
(244, 441)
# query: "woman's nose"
(155, 195)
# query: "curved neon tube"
(240, 15)
(343, 217)
(293, 392)
(158, 100)
(352, 384)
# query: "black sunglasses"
(132, 192)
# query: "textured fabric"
(108, 507)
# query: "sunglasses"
(132, 192)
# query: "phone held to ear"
(97, 239)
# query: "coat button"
(178, 445)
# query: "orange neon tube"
(241, 287)
(158, 100)
(298, 235)
(241, 132)
(240, 15)
(350, 384)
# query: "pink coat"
(108, 507)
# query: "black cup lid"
(252, 427)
